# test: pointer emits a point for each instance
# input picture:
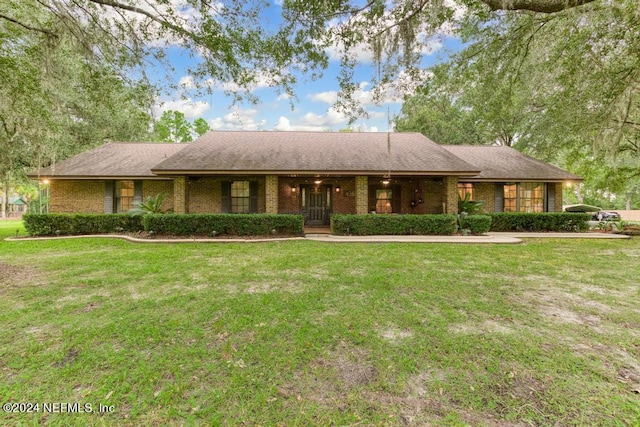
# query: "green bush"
(477, 224)
(70, 224)
(544, 221)
(367, 225)
(223, 224)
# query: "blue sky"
(312, 110)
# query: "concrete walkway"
(494, 238)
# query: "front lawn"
(310, 333)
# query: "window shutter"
(137, 193)
(225, 206)
(499, 198)
(397, 199)
(551, 197)
(108, 196)
(253, 197)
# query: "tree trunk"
(579, 196)
(628, 201)
(5, 199)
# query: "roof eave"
(89, 177)
(314, 172)
(512, 179)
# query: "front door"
(316, 202)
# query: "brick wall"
(151, 188)
(180, 195)
(362, 195)
(412, 190)
(450, 194)
(76, 196)
(271, 194)
(558, 196)
(205, 195)
(486, 192)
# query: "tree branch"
(155, 18)
(29, 27)
(541, 6)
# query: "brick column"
(559, 196)
(271, 193)
(362, 195)
(450, 189)
(180, 194)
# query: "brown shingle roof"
(499, 163)
(314, 152)
(112, 160)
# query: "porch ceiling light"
(317, 182)
(386, 181)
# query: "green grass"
(310, 333)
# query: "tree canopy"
(543, 75)
(563, 86)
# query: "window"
(531, 197)
(123, 196)
(384, 199)
(524, 197)
(465, 188)
(240, 197)
(511, 198)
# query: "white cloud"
(332, 120)
(191, 109)
(284, 97)
(329, 97)
(238, 119)
(187, 82)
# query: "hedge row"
(264, 224)
(172, 224)
(547, 221)
(476, 224)
(364, 225)
(227, 224)
(66, 224)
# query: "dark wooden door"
(316, 204)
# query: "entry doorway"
(315, 203)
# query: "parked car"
(598, 216)
(605, 216)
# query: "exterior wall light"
(337, 188)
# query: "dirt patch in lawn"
(16, 276)
(331, 378)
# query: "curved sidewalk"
(494, 237)
(490, 238)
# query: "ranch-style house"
(313, 173)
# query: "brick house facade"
(314, 173)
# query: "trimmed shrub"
(228, 224)
(70, 224)
(367, 225)
(477, 224)
(543, 221)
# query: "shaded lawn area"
(309, 333)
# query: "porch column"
(271, 192)
(450, 189)
(362, 195)
(180, 194)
